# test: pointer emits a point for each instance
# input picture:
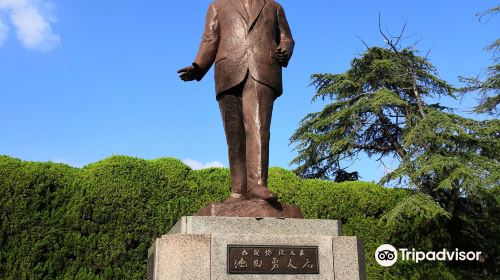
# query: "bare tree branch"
(362, 41)
(408, 65)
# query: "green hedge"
(97, 222)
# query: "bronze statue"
(249, 41)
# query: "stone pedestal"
(213, 248)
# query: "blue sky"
(83, 80)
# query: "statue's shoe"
(262, 192)
(236, 197)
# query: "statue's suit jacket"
(238, 42)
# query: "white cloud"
(32, 20)
(196, 165)
(3, 32)
(67, 162)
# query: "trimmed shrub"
(34, 198)
(97, 222)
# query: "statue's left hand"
(282, 57)
(188, 73)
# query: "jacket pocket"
(219, 59)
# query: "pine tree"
(382, 107)
(488, 88)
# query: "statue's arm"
(286, 42)
(209, 43)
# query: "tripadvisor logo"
(387, 255)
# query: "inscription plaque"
(272, 259)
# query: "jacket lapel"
(238, 5)
(255, 10)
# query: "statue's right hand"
(187, 73)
